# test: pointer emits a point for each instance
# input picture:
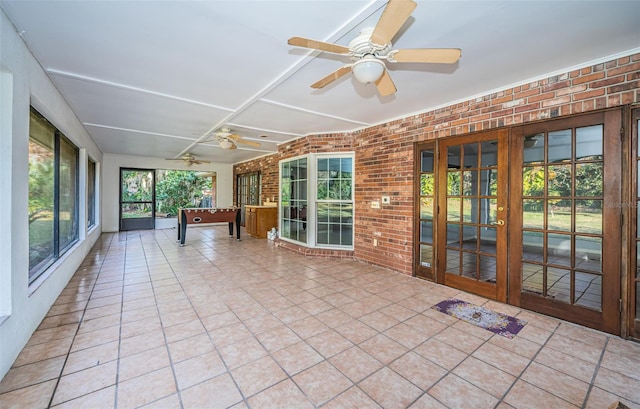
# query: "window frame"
(36, 271)
(285, 212)
(317, 201)
(91, 192)
(312, 200)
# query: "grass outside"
(586, 222)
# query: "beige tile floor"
(220, 323)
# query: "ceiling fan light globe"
(226, 144)
(530, 142)
(368, 70)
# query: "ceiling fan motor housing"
(361, 46)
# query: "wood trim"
(502, 233)
(515, 217)
(577, 314)
(632, 322)
(611, 250)
(418, 270)
(480, 288)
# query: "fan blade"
(428, 55)
(200, 162)
(238, 139)
(393, 17)
(332, 77)
(250, 143)
(318, 45)
(385, 84)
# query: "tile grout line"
(84, 310)
(409, 350)
(253, 288)
(215, 347)
(124, 273)
(595, 373)
(164, 335)
(450, 371)
(519, 377)
(269, 353)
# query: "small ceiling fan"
(228, 140)
(372, 47)
(189, 159)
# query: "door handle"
(499, 222)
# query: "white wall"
(111, 182)
(23, 307)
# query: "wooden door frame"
(631, 326)
(427, 273)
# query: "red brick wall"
(384, 153)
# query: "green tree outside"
(179, 189)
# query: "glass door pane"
(426, 197)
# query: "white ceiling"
(150, 78)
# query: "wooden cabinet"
(258, 220)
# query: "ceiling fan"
(189, 159)
(372, 47)
(228, 140)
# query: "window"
(334, 206)
(293, 194)
(53, 194)
(91, 193)
(316, 194)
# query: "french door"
(473, 213)
(529, 215)
(248, 192)
(566, 252)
